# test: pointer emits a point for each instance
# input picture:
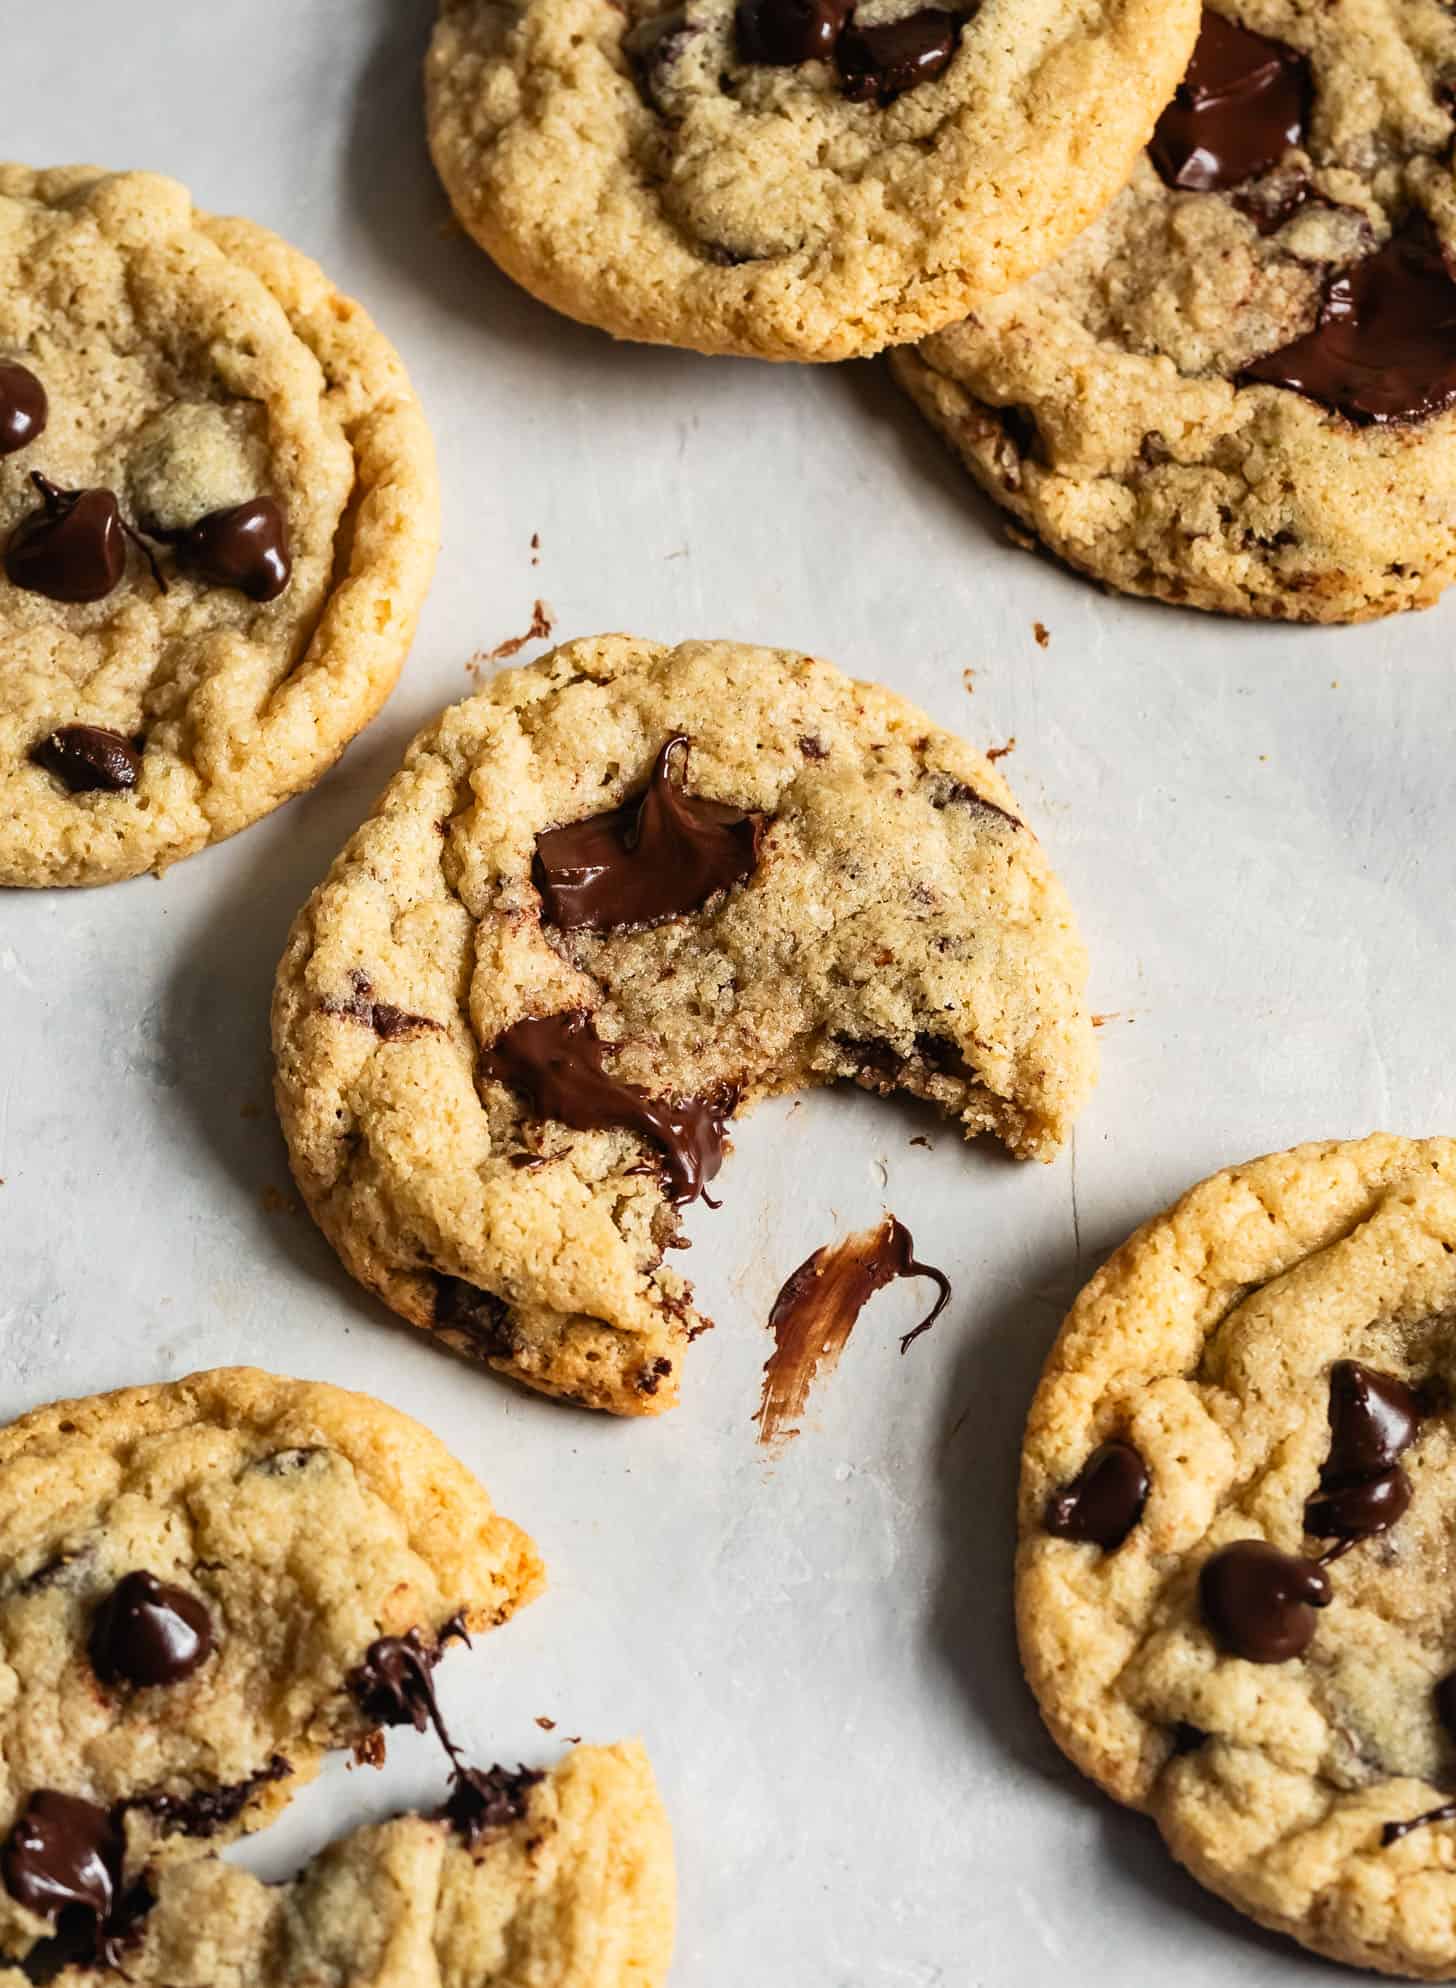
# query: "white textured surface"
(1255, 827)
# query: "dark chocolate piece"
(23, 407)
(207, 1810)
(1260, 1603)
(480, 1314)
(1373, 1421)
(1446, 1703)
(484, 1801)
(656, 858)
(89, 759)
(784, 32)
(878, 64)
(556, 1063)
(1359, 1509)
(245, 546)
(72, 549)
(1383, 348)
(64, 1855)
(1104, 1501)
(394, 1686)
(149, 1632)
(1393, 1831)
(389, 1023)
(1244, 101)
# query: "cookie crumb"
(546, 1725)
(535, 548)
(993, 753)
(968, 678)
(541, 626)
(1042, 633)
(1101, 1021)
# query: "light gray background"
(1254, 824)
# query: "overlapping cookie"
(564, 1878)
(1238, 1504)
(789, 179)
(218, 514)
(609, 901)
(1238, 389)
(206, 1585)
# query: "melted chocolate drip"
(784, 32)
(1394, 1831)
(1383, 349)
(1260, 1603)
(1359, 1510)
(245, 546)
(149, 1632)
(815, 1312)
(878, 64)
(1104, 1501)
(209, 1809)
(23, 407)
(484, 1801)
(89, 759)
(389, 1023)
(556, 1063)
(1363, 1490)
(656, 858)
(1242, 104)
(64, 1856)
(72, 549)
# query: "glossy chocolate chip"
(557, 1063)
(23, 407)
(245, 546)
(1242, 104)
(1260, 1603)
(72, 549)
(1373, 1421)
(63, 1853)
(1383, 348)
(1104, 1501)
(89, 759)
(878, 64)
(659, 857)
(784, 32)
(149, 1632)
(1359, 1509)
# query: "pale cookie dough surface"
(193, 364)
(900, 929)
(577, 1892)
(308, 1521)
(691, 197)
(1207, 1343)
(1097, 403)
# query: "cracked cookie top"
(218, 516)
(789, 179)
(1238, 389)
(196, 1576)
(609, 901)
(1236, 1516)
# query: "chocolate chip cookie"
(564, 1878)
(1237, 391)
(1238, 1502)
(608, 902)
(218, 519)
(206, 1585)
(789, 179)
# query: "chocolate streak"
(556, 1063)
(1394, 1831)
(815, 1312)
(389, 1023)
(656, 858)
(1242, 104)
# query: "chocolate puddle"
(815, 1312)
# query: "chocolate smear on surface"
(207, 1810)
(23, 407)
(1243, 102)
(63, 1860)
(656, 858)
(72, 549)
(784, 32)
(149, 1632)
(89, 759)
(878, 64)
(556, 1063)
(815, 1312)
(1394, 1831)
(1363, 1490)
(245, 546)
(1260, 1603)
(1383, 349)
(1104, 1501)
(389, 1023)
(485, 1800)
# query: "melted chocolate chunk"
(245, 547)
(1359, 1510)
(23, 407)
(1373, 1421)
(72, 549)
(207, 1810)
(1244, 101)
(394, 1687)
(1260, 1603)
(1383, 349)
(556, 1063)
(389, 1023)
(1104, 1501)
(784, 32)
(149, 1632)
(64, 1855)
(1446, 1703)
(89, 759)
(1393, 1831)
(484, 1801)
(878, 64)
(654, 859)
(480, 1314)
